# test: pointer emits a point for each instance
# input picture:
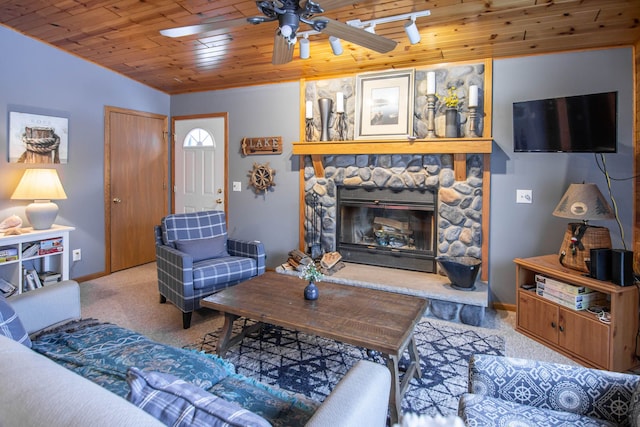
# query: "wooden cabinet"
(39, 250)
(579, 335)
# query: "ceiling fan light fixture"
(305, 48)
(336, 46)
(412, 31)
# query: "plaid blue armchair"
(195, 258)
(518, 392)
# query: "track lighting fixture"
(336, 46)
(412, 31)
(410, 28)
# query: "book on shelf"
(50, 246)
(561, 286)
(8, 254)
(34, 276)
(6, 288)
(31, 250)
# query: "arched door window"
(198, 137)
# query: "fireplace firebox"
(387, 228)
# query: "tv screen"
(572, 124)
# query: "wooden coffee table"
(376, 320)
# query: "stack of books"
(567, 295)
(49, 277)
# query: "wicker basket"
(578, 241)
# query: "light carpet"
(312, 365)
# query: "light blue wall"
(37, 75)
(269, 110)
(523, 230)
(48, 80)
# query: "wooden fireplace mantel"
(459, 147)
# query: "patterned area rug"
(312, 366)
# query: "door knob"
(117, 200)
(218, 201)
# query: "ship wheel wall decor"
(261, 177)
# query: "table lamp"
(41, 186)
(583, 202)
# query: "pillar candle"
(308, 112)
(339, 102)
(473, 96)
(431, 83)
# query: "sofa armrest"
(576, 389)
(39, 392)
(361, 398)
(47, 306)
(251, 249)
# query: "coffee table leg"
(225, 334)
(395, 396)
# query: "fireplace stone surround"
(458, 210)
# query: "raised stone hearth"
(445, 303)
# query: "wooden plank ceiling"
(123, 35)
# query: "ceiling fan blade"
(358, 36)
(282, 50)
(190, 30)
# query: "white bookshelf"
(13, 271)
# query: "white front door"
(199, 160)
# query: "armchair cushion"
(634, 410)
(207, 248)
(597, 394)
(212, 273)
(479, 410)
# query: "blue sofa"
(195, 258)
(518, 392)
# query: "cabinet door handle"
(561, 328)
(553, 325)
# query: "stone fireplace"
(457, 205)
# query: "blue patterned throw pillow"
(179, 403)
(10, 324)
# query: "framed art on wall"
(37, 138)
(384, 105)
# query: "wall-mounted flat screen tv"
(572, 124)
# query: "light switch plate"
(524, 196)
(237, 186)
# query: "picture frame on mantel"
(37, 135)
(384, 105)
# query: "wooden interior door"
(136, 171)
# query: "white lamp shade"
(584, 202)
(41, 185)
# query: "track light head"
(336, 46)
(412, 31)
(305, 49)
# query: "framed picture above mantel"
(384, 105)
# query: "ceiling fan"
(289, 14)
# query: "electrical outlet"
(524, 196)
(77, 254)
(237, 186)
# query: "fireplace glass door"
(387, 228)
